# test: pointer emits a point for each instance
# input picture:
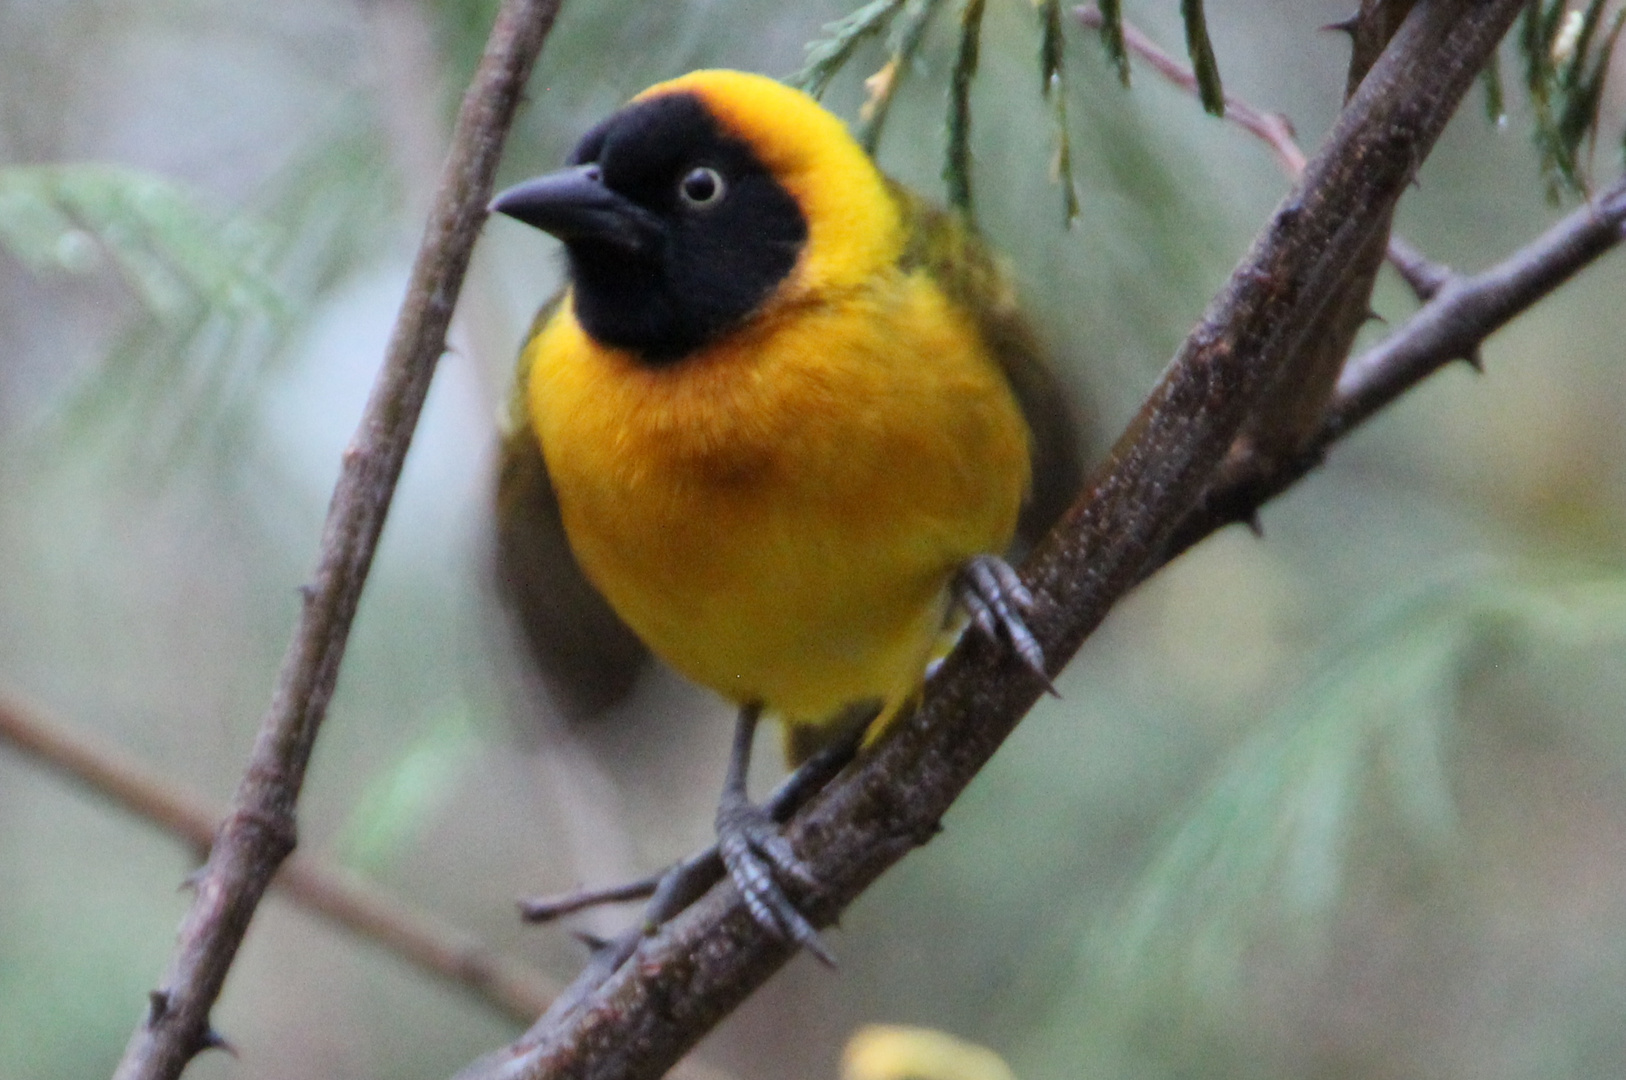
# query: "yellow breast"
(778, 516)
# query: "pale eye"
(701, 186)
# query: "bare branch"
(260, 831)
(311, 882)
(1274, 129)
(692, 972)
(1464, 312)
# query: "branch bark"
(260, 831)
(1462, 313)
(311, 882)
(698, 967)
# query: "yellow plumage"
(779, 514)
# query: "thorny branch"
(1272, 129)
(684, 978)
(260, 830)
(329, 890)
(1462, 313)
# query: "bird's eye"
(701, 186)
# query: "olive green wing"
(950, 251)
(587, 655)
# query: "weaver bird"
(782, 410)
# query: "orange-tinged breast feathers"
(779, 515)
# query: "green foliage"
(221, 296)
(1567, 54)
(1202, 57)
(1271, 836)
(957, 166)
(842, 39)
(827, 55)
(1112, 37)
(1053, 85)
(174, 254)
(902, 45)
(202, 279)
(1348, 800)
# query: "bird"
(787, 415)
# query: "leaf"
(221, 295)
(1112, 37)
(1201, 51)
(1567, 59)
(826, 55)
(171, 251)
(1363, 757)
(1053, 86)
(903, 43)
(957, 163)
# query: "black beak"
(574, 204)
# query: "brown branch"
(1464, 312)
(697, 967)
(1454, 323)
(331, 891)
(260, 831)
(1275, 130)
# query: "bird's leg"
(996, 600)
(676, 887)
(757, 855)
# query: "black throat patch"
(720, 259)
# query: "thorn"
(213, 1040)
(190, 881)
(593, 941)
(157, 1006)
(1373, 316)
(821, 952)
(1255, 526)
(307, 592)
(1345, 26)
(1474, 359)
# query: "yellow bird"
(781, 405)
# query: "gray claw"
(995, 598)
(758, 857)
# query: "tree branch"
(1464, 312)
(699, 966)
(260, 831)
(1423, 276)
(316, 884)
(1273, 129)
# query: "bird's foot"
(995, 598)
(760, 861)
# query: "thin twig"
(260, 831)
(1450, 326)
(1275, 130)
(691, 973)
(311, 882)
(1463, 313)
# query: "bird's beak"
(573, 204)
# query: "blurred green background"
(1346, 801)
